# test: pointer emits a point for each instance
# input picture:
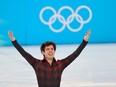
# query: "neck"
(49, 61)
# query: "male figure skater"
(49, 71)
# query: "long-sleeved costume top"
(49, 75)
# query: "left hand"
(86, 37)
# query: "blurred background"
(64, 22)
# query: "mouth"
(50, 54)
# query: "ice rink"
(95, 67)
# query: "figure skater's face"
(49, 52)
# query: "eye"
(52, 48)
(47, 48)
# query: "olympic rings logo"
(65, 22)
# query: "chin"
(51, 57)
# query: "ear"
(43, 52)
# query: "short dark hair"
(47, 43)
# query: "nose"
(50, 50)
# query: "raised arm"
(26, 55)
(66, 61)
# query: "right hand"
(10, 34)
